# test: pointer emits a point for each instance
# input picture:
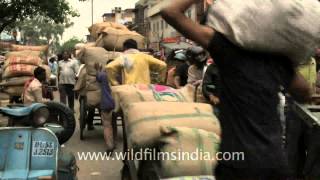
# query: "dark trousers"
(66, 91)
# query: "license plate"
(43, 149)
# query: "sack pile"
(200, 144)
(18, 68)
(111, 36)
(290, 28)
(127, 94)
(167, 119)
(112, 39)
(96, 29)
(90, 55)
(43, 48)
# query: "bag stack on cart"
(89, 56)
(19, 67)
(111, 36)
(167, 119)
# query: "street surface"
(94, 142)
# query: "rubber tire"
(63, 115)
(83, 117)
(125, 172)
(149, 170)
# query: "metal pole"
(91, 12)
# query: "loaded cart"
(155, 115)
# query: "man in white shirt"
(33, 87)
(68, 68)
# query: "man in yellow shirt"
(134, 66)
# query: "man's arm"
(174, 15)
(113, 69)
(158, 66)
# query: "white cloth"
(67, 71)
(288, 27)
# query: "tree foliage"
(69, 45)
(19, 10)
(41, 28)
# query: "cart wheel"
(148, 170)
(114, 126)
(83, 116)
(125, 172)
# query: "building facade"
(149, 22)
(121, 16)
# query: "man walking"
(249, 86)
(68, 69)
(135, 66)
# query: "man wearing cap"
(181, 71)
(198, 58)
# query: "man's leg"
(70, 94)
(63, 94)
(108, 130)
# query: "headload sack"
(287, 27)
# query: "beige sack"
(201, 146)
(80, 85)
(14, 90)
(113, 39)
(16, 81)
(98, 28)
(93, 98)
(91, 55)
(290, 28)
(144, 120)
(149, 93)
(30, 48)
(18, 70)
(25, 53)
(91, 83)
(31, 60)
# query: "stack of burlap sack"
(19, 67)
(163, 117)
(87, 84)
(111, 36)
(290, 28)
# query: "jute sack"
(115, 95)
(144, 120)
(16, 70)
(150, 93)
(94, 98)
(201, 146)
(98, 28)
(80, 85)
(31, 60)
(25, 53)
(91, 55)
(290, 28)
(113, 39)
(30, 48)
(91, 83)
(14, 90)
(16, 81)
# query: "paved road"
(94, 170)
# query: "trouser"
(106, 117)
(66, 91)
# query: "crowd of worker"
(243, 87)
